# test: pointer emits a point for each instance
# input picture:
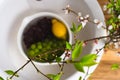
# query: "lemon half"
(59, 29)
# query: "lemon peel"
(59, 29)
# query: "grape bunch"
(39, 51)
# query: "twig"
(62, 66)
(50, 51)
(19, 69)
(86, 74)
(97, 38)
(38, 69)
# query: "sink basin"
(12, 13)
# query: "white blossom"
(67, 9)
(86, 20)
(100, 25)
(104, 7)
(110, 27)
(83, 24)
(109, 11)
(68, 6)
(96, 21)
(118, 53)
(79, 14)
(82, 20)
(111, 43)
(118, 16)
(84, 44)
(69, 52)
(87, 16)
(116, 45)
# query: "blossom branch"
(85, 19)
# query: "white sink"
(12, 12)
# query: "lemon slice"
(59, 29)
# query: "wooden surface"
(103, 71)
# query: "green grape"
(36, 50)
(54, 45)
(31, 53)
(44, 44)
(39, 43)
(46, 40)
(50, 43)
(48, 47)
(39, 46)
(43, 50)
(33, 46)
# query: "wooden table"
(103, 71)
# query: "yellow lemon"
(59, 29)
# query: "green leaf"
(118, 2)
(88, 60)
(115, 66)
(80, 78)
(51, 76)
(114, 25)
(54, 77)
(10, 72)
(1, 78)
(68, 46)
(77, 50)
(73, 29)
(58, 59)
(79, 27)
(109, 5)
(9, 79)
(79, 67)
(57, 77)
(112, 2)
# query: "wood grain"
(103, 71)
